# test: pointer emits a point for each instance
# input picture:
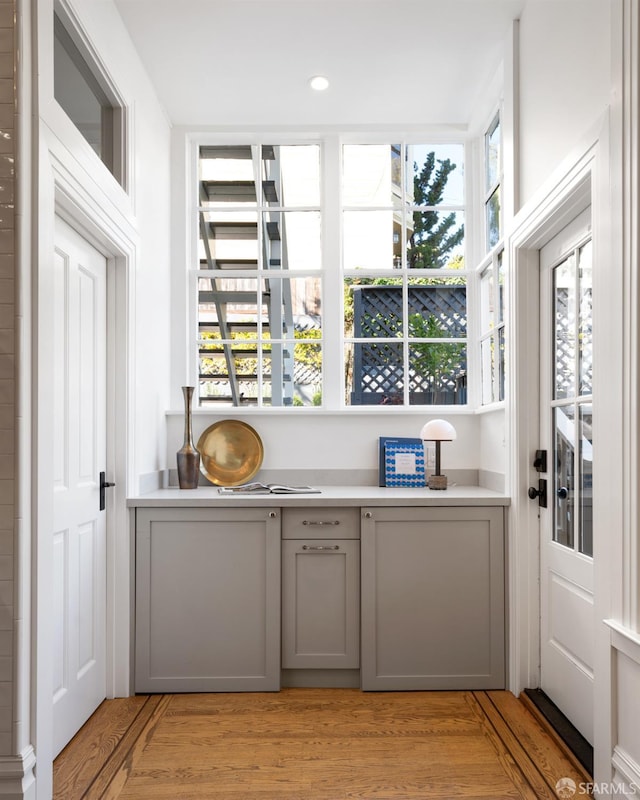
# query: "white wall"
(492, 442)
(334, 442)
(151, 190)
(143, 210)
(565, 82)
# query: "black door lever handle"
(104, 484)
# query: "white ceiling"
(248, 62)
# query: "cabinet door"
(207, 600)
(433, 598)
(320, 603)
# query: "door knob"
(540, 493)
(563, 493)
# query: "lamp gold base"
(437, 481)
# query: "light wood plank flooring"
(313, 744)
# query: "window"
(265, 270)
(259, 277)
(88, 100)
(404, 281)
(492, 329)
(493, 180)
(492, 273)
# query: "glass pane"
(299, 172)
(228, 240)
(437, 374)
(564, 302)
(374, 374)
(492, 210)
(493, 141)
(501, 364)
(373, 311)
(585, 539)
(436, 240)
(369, 240)
(292, 308)
(487, 314)
(286, 175)
(305, 300)
(76, 97)
(228, 308)
(501, 296)
(291, 240)
(278, 373)
(488, 368)
(435, 174)
(227, 176)
(563, 488)
(585, 333)
(307, 372)
(229, 372)
(79, 89)
(437, 311)
(371, 175)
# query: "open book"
(267, 488)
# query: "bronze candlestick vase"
(188, 456)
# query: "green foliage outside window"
(434, 236)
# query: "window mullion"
(333, 285)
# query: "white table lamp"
(437, 430)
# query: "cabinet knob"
(368, 515)
(272, 514)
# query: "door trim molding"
(590, 175)
(561, 200)
(72, 195)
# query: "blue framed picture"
(401, 462)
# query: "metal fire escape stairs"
(276, 294)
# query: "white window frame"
(117, 125)
(333, 339)
(494, 267)
(489, 191)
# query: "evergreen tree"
(434, 234)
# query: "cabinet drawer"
(318, 522)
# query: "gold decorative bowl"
(231, 452)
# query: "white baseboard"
(626, 770)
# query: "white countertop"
(208, 496)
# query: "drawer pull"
(320, 547)
(320, 522)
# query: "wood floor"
(313, 744)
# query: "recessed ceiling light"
(319, 83)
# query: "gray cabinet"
(320, 588)
(207, 599)
(433, 598)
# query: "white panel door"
(567, 629)
(79, 527)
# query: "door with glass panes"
(566, 530)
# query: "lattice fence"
(565, 344)
(437, 370)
